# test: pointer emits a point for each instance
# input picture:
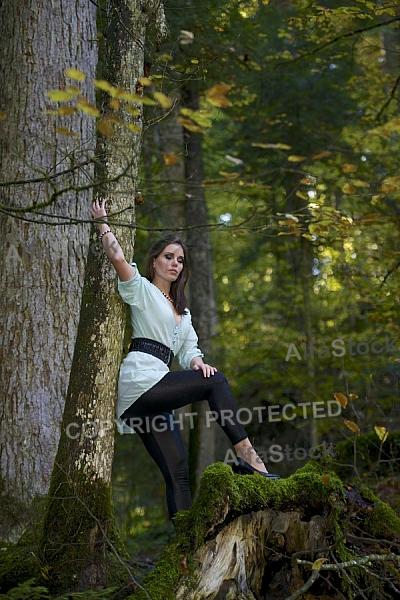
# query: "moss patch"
(79, 537)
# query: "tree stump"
(250, 538)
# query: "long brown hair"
(177, 291)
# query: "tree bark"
(79, 527)
(42, 265)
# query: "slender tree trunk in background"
(306, 258)
(202, 299)
(41, 264)
(163, 147)
(79, 521)
(163, 144)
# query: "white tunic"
(152, 317)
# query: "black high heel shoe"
(241, 467)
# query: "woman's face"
(169, 264)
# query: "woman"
(148, 391)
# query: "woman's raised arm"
(110, 243)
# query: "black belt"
(154, 348)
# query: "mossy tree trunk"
(79, 526)
(42, 257)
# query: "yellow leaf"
(145, 81)
(201, 117)
(114, 104)
(123, 95)
(217, 90)
(132, 110)
(73, 90)
(352, 426)
(296, 158)
(229, 175)
(216, 95)
(113, 119)
(323, 154)
(360, 184)
(46, 572)
(188, 124)
(75, 74)
(348, 189)
(302, 195)
(66, 110)
(105, 128)
(353, 396)
(170, 159)
(3, 116)
(135, 128)
(59, 95)
(341, 398)
(381, 432)
(65, 131)
(105, 86)
(163, 100)
(89, 109)
(278, 146)
(318, 563)
(349, 168)
(394, 179)
(389, 187)
(308, 181)
(148, 101)
(219, 101)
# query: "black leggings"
(151, 417)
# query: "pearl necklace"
(163, 293)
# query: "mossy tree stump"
(250, 538)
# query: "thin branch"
(304, 588)
(46, 177)
(391, 97)
(82, 188)
(393, 269)
(341, 37)
(353, 563)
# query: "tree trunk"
(79, 525)
(202, 295)
(306, 275)
(42, 255)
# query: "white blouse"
(152, 317)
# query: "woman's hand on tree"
(98, 211)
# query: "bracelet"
(105, 233)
